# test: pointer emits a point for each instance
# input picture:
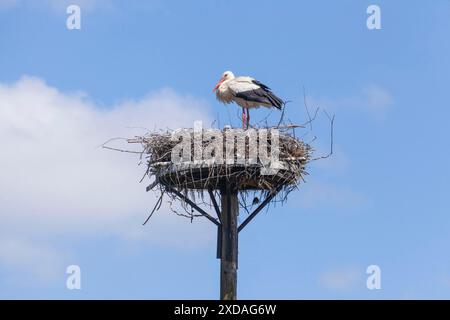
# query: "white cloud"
(56, 181)
(341, 279)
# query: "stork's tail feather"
(274, 100)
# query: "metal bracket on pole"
(260, 207)
(193, 205)
(216, 206)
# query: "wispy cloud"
(328, 190)
(57, 5)
(342, 279)
(372, 98)
(8, 4)
(89, 5)
(376, 98)
(42, 262)
(326, 195)
(336, 164)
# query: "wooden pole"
(229, 243)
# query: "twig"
(310, 119)
(155, 208)
(282, 112)
(120, 150)
(331, 137)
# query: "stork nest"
(288, 171)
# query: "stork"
(246, 92)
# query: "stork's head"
(227, 75)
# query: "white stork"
(247, 93)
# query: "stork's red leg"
(243, 118)
(248, 118)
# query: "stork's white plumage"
(246, 92)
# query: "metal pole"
(229, 245)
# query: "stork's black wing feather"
(266, 93)
(262, 85)
(254, 96)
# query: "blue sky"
(381, 199)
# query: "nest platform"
(286, 173)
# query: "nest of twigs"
(190, 179)
(244, 174)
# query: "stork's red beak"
(218, 84)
